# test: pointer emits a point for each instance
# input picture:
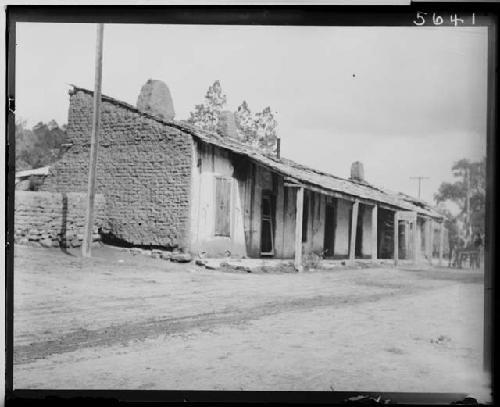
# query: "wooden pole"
(407, 239)
(396, 237)
(441, 242)
(419, 183)
(374, 231)
(354, 226)
(428, 239)
(298, 228)
(416, 240)
(431, 239)
(468, 225)
(89, 224)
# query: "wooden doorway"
(329, 239)
(267, 225)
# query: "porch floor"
(282, 264)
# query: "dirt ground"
(119, 321)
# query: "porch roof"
(309, 177)
(318, 180)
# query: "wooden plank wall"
(289, 223)
(366, 245)
(342, 229)
(208, 164)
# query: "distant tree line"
(43, 144)
(468, 192)
(39, 146)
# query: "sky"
(405, 101)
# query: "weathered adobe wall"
(54, 219)
(144, 170)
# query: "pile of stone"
(174, 256)
(51, 219)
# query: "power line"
(419, 183)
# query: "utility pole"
(468, 229)
(89, 224)
(419, 183)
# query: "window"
(222, 206)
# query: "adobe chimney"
(357, 171)
(155, 99)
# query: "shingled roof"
(295, 172)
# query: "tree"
(24, 146)
(451, 225)
(40, 146)
(266, 130)
(245, 123)
(257, 130)
(206, 115)
(468, 193)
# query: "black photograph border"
(297, 15)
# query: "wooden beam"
(354, 224)
(293, 185)
(94, 141)
(396, 237)
(298, 229)
(374, 231)
(441, 241)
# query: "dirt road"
(131, 322)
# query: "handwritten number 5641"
(438, 20)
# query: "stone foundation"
(50, 219)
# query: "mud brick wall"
(53, 219)
(144, 171)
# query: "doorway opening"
(267, 225)
(330, 224)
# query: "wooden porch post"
(416, 240)
(431, 239)
(428, 239)
(441, 241)
(407, 239)
(298, 229)
(354, 226)
(374, 231)
(396, 238)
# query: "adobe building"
(168, 184)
